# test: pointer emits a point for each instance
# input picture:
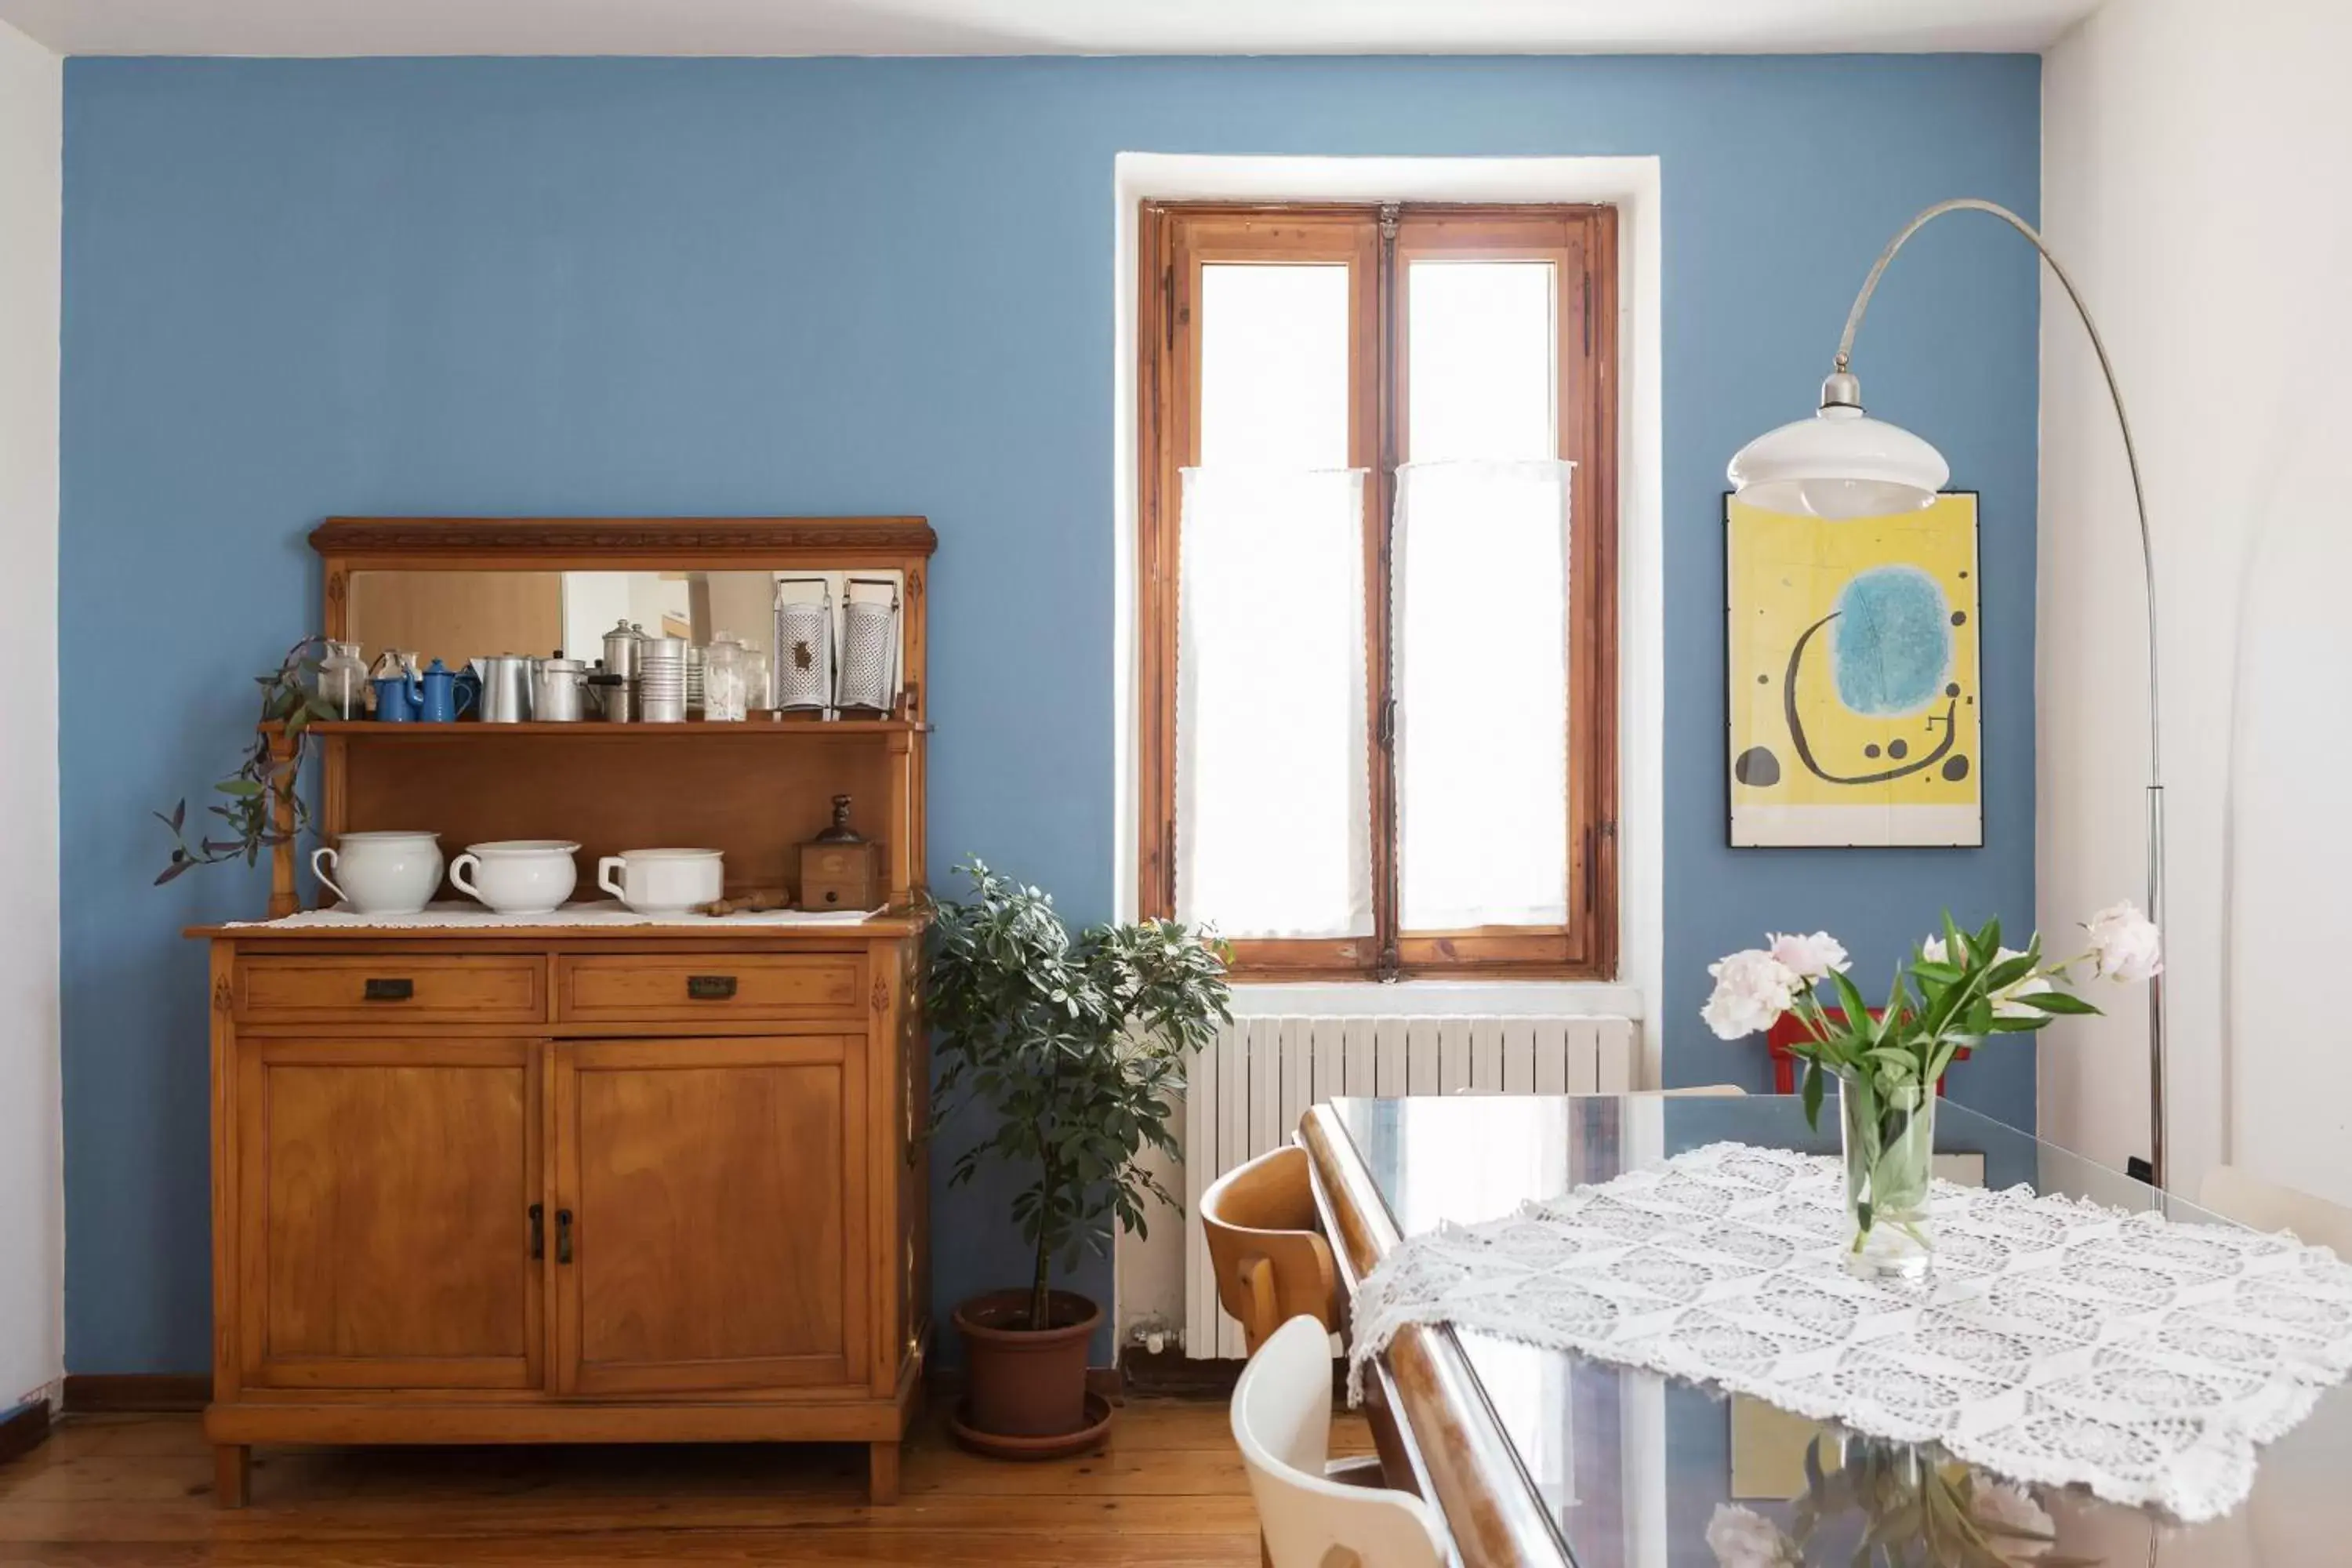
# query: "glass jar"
(342, 680)
(1889, 1137)
(726, 680)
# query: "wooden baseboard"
(92, 1392)
(22, 1429)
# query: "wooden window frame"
(1377, 243)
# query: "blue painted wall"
(296, 288)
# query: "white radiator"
(1247, 1093)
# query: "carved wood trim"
(683, 538)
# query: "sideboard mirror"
(456, 615)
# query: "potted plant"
(1078, 1045)
(1955, 991)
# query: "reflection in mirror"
(457, 616)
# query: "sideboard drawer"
(439, 986)
(641, 987)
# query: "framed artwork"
(1852, 706)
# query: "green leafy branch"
(1938, 1006)
(1941, 1003)
(289, 699)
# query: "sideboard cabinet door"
(383, 1199)
(712, 1202)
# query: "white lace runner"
(2056, 1341)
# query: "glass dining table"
(1543, 1457)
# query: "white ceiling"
(1033, 27)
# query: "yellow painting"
(1854, 672)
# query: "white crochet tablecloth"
(2056, 1341)
(474, 917)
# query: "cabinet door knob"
(399, 990)
(563, 1236)
(711, 988)
(538, 1232)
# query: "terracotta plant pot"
(1025, 1382)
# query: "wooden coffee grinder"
(840, 868)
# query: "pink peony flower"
(2128, 947)
(1752, 989)
(1742, 1538)
(1814, 957)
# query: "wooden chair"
(2234, 1192)
(1282, 1420)
(1271, 1265)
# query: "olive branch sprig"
(287, 698)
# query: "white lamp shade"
(1840, 464)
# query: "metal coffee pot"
(505, 680)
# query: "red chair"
(1792, 1029)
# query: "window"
(1376, 606)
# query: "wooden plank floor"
(1166, 1491)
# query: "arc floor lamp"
(1842, 464)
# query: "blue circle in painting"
(1893, 641)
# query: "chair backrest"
(1270, 1263)
(2236, 1194)
(1282, 1420)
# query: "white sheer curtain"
(1273, 782)
(1480, 580)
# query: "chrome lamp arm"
(1840, 385)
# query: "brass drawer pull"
(563, 1236)
(389, 990)
(711, 988)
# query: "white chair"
(2235, 1193)
(1282, 1419)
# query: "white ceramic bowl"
(381, 873)
(517, 875)
(663, 881)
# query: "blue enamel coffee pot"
(445, 693)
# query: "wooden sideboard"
(564, 1182)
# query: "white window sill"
(1438, 999)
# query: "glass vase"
(1890, 1148)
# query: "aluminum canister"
(661, 681)
(625, 647)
